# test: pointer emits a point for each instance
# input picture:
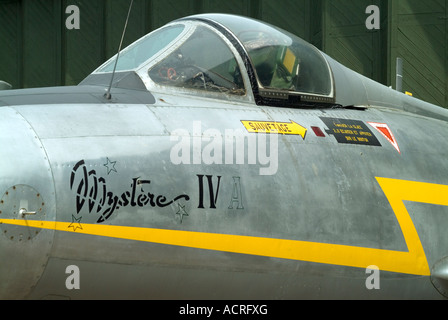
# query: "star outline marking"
(110, 166)
(76, 223)
(181, 212)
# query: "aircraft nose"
(15, 213)
(26, 193)
(22, 251)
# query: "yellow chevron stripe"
(412, 262)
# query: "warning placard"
(350, 131)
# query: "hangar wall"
(36, 48)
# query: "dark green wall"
(37, 50)
(419, 35)
(347, 39)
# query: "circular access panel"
(21, 202)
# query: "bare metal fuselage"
(91, 183)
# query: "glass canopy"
(229, 56)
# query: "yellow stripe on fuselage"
(411, 262)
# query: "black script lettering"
(93, 189)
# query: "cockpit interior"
(227, 57)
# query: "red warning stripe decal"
(386, 133)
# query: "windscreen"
(203, 62)
(282, 61)
(141, 51)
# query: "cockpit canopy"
(229, 57)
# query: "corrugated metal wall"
(36, 49)
(419, 35)
(347, 39)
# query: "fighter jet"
(220, 157)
